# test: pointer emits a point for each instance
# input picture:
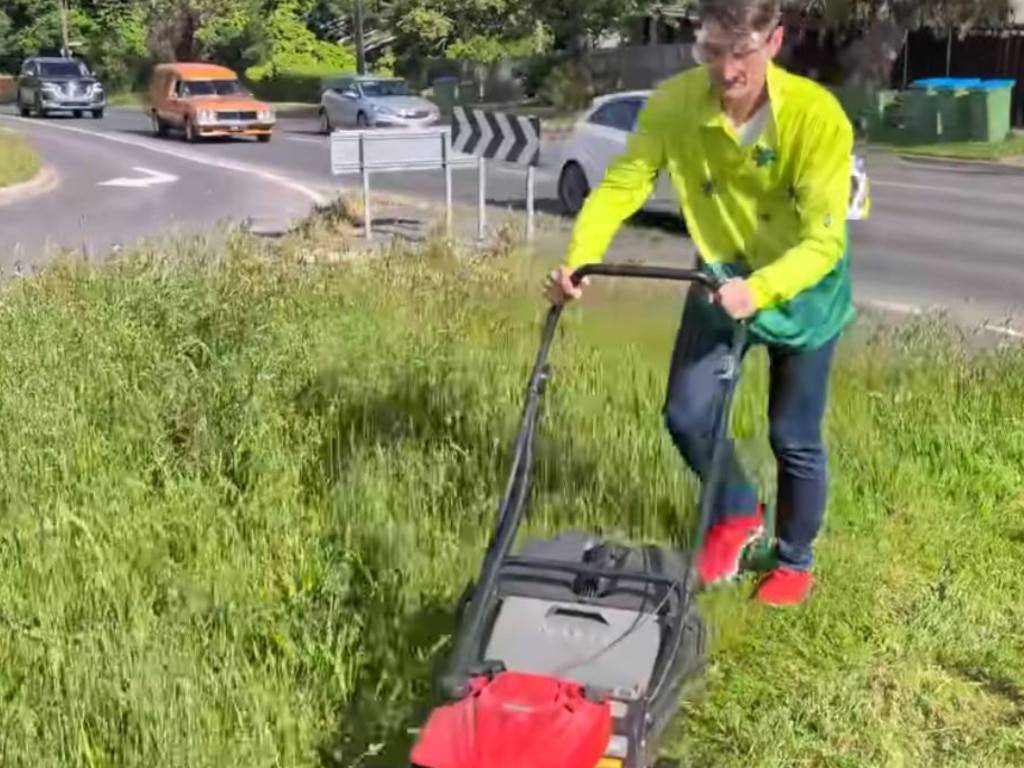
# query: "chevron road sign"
(503, 138)
(498, 136)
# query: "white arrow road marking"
(150, 179)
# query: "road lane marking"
(909, 309)
(149, 178)
(972, 194)
(1005, 330)
(893, 306)
(227, 165)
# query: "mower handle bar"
(455, 682)
(650, 273)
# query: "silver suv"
(56, 84)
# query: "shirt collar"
(712, 115)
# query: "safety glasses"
(712, 49)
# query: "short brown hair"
(741, 15)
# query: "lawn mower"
(574, 652)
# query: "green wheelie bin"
(989, 102)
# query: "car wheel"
(159, 129)
(97, 114)
(362, 121)
(191, 136)
(23, 109)
(77, 113)
(325, 123)
(573, 188)
(39, 108)
(263, 138)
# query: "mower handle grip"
(645, 272)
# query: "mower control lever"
(650, 273)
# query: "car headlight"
(50, 87)
(265, 115)
(205, 116)
(384, 111)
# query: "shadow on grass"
(411, 409)
(375, 729)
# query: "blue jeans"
(797, 395)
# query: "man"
(761, 161)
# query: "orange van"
(205, 100)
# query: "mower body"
(616, 620)
(574, 651)
(634, 637)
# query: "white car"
(600, 135)
(597, 138)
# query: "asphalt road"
(949, 237)
(87, 213)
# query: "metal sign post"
(427, 149)
(505, 138)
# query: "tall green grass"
(19, 160)
(241, 495)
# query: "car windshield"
(372, 88)
(62, 69)
(212, 88)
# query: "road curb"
(46, 180)
(956, 162)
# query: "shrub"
(569, 86)
(299, 62)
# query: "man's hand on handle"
(736, 298)
(559, 286)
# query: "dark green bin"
(989, 106)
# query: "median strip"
(23, 173)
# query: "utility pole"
(360, 50)
(66, 48)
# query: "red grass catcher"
(514, 720)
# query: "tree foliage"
(913, 14)
(266, 38)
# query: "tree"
(483, 31)
(886, 24)
(576, 23)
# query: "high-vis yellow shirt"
(773, 211)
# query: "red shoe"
(719, 560)
(784, 587)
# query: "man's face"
(737, 62)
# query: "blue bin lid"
(990, 85)
(946, 82)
